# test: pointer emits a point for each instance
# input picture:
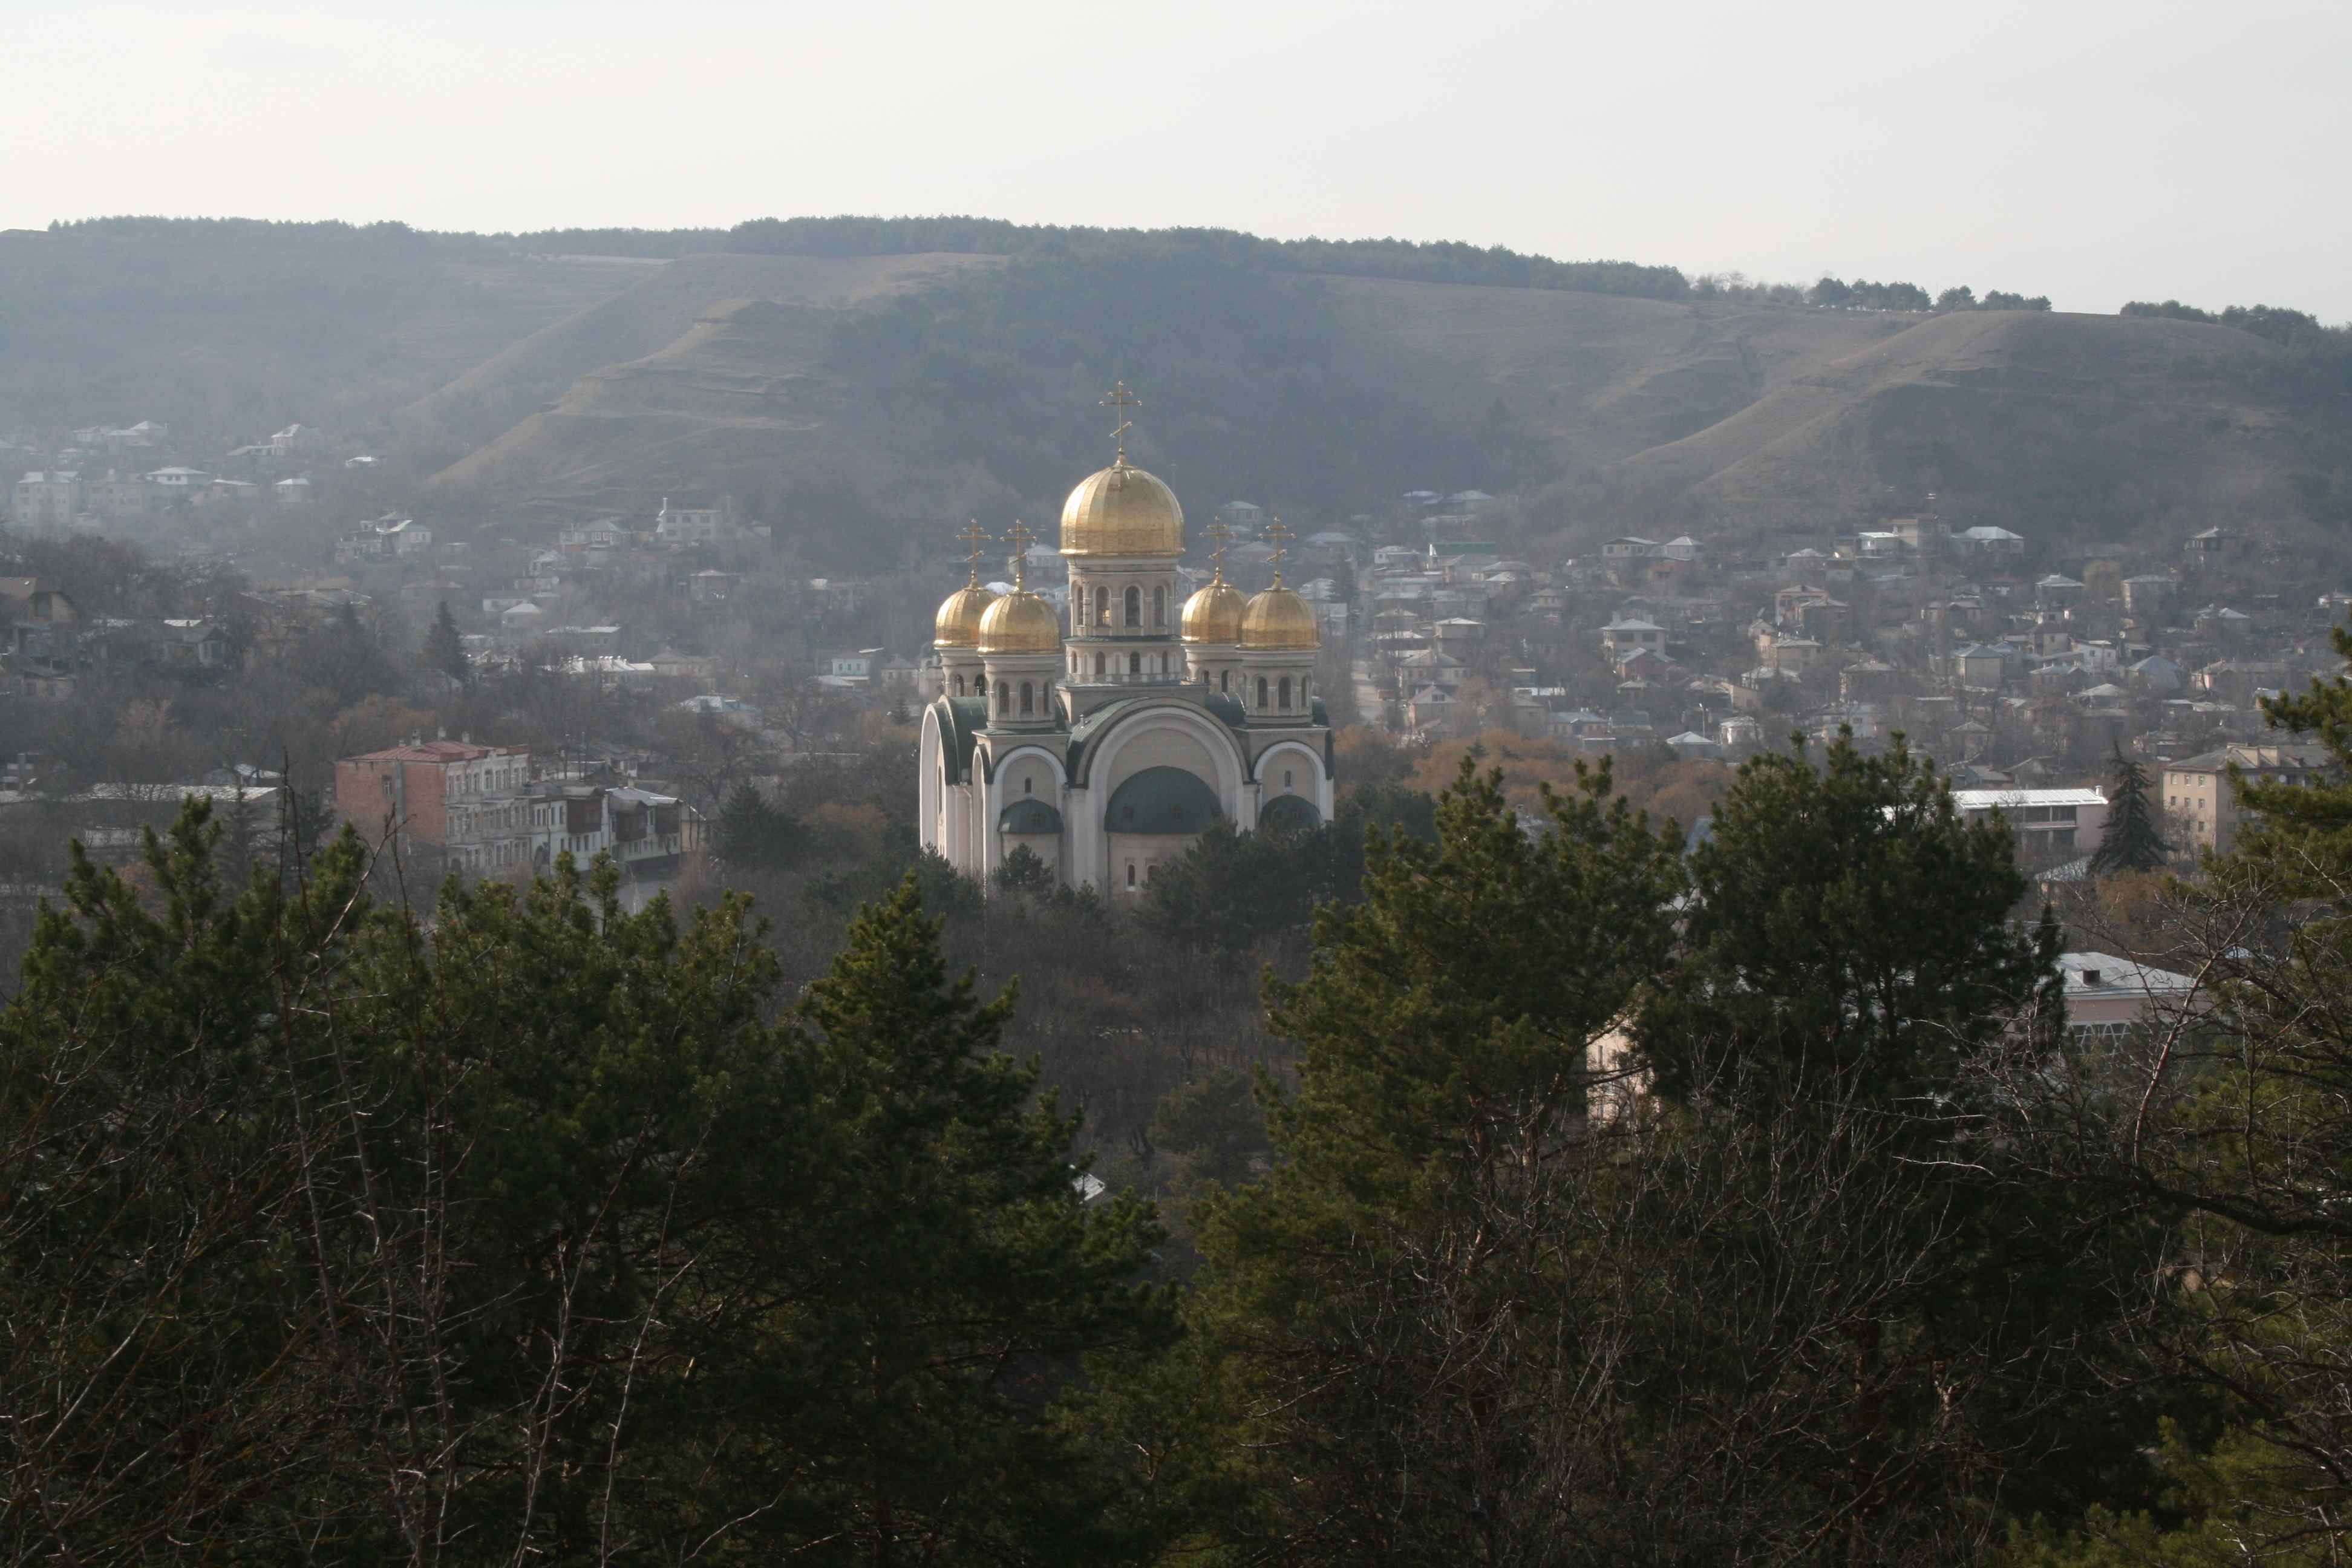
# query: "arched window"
(1005, 697)
(1029, 786)
(1134, 660)
(1158, 606)
(1285, 690)
(1102, 606)
(1261, 691)
(1285, 778)
(1098, 662)
(1225, 680)
(959, 691)
(1134, 598)
(1029, 697)
(1164, 664)
(1130, 873)
(1302, 690)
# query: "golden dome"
(1215, 613)
(1279, 618)
(1019, 622)
(958, 622)
(1122, 510)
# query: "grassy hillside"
(229, 330)
(864, 382)
(2095, 425)
(495, 395)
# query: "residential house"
(1985, 541)
(2110, 998)
(2198, 793)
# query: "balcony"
(1123, 678)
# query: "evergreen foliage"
(750, 834)
(1848, 931)
(524, 1233)
(445, 647)
(2133, 839)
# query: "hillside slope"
(227, 331)
(493, 396)
(2094, 424)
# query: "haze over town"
(1302, 785)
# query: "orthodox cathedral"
(1105, 746)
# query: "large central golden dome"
(1122, 510)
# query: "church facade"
(1106, 739)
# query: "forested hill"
(900, 371)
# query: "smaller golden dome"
(1278, 619)
(1019, 622)
(958, 622)
(1213, 615)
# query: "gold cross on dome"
(977, 537)
(1218, 533)
(1120, 399)
(1020, 538)
(1278, 536)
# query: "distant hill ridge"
(904, 371)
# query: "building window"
(1130, 873)
(1135, 664)
(1028, 699)
(1261, 692)
(1285, 778)
(959, 686)
(1226, 681)
(1098, 664)
(1102, 606)
(1158, 606)
(1285, 693)
(1004, 697)
(1164, 664)
(1133, 599)
(1028, 787)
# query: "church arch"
(1162, 800)
(1293, 754)
(1289, 814)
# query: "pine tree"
(1365, 1312)
(2134, 840)
(444, 648)
(1848, 932)
(749, 835)
(528, 1231)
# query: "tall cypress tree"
(445, 647)
(2134, 840)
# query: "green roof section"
(959, 721)
(1029, 816)
(1289, 814)
(1161, 801)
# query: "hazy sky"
(2093, 150)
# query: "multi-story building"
(2049, 824)
(2198, 793)
(51, 498)
(411, 789)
